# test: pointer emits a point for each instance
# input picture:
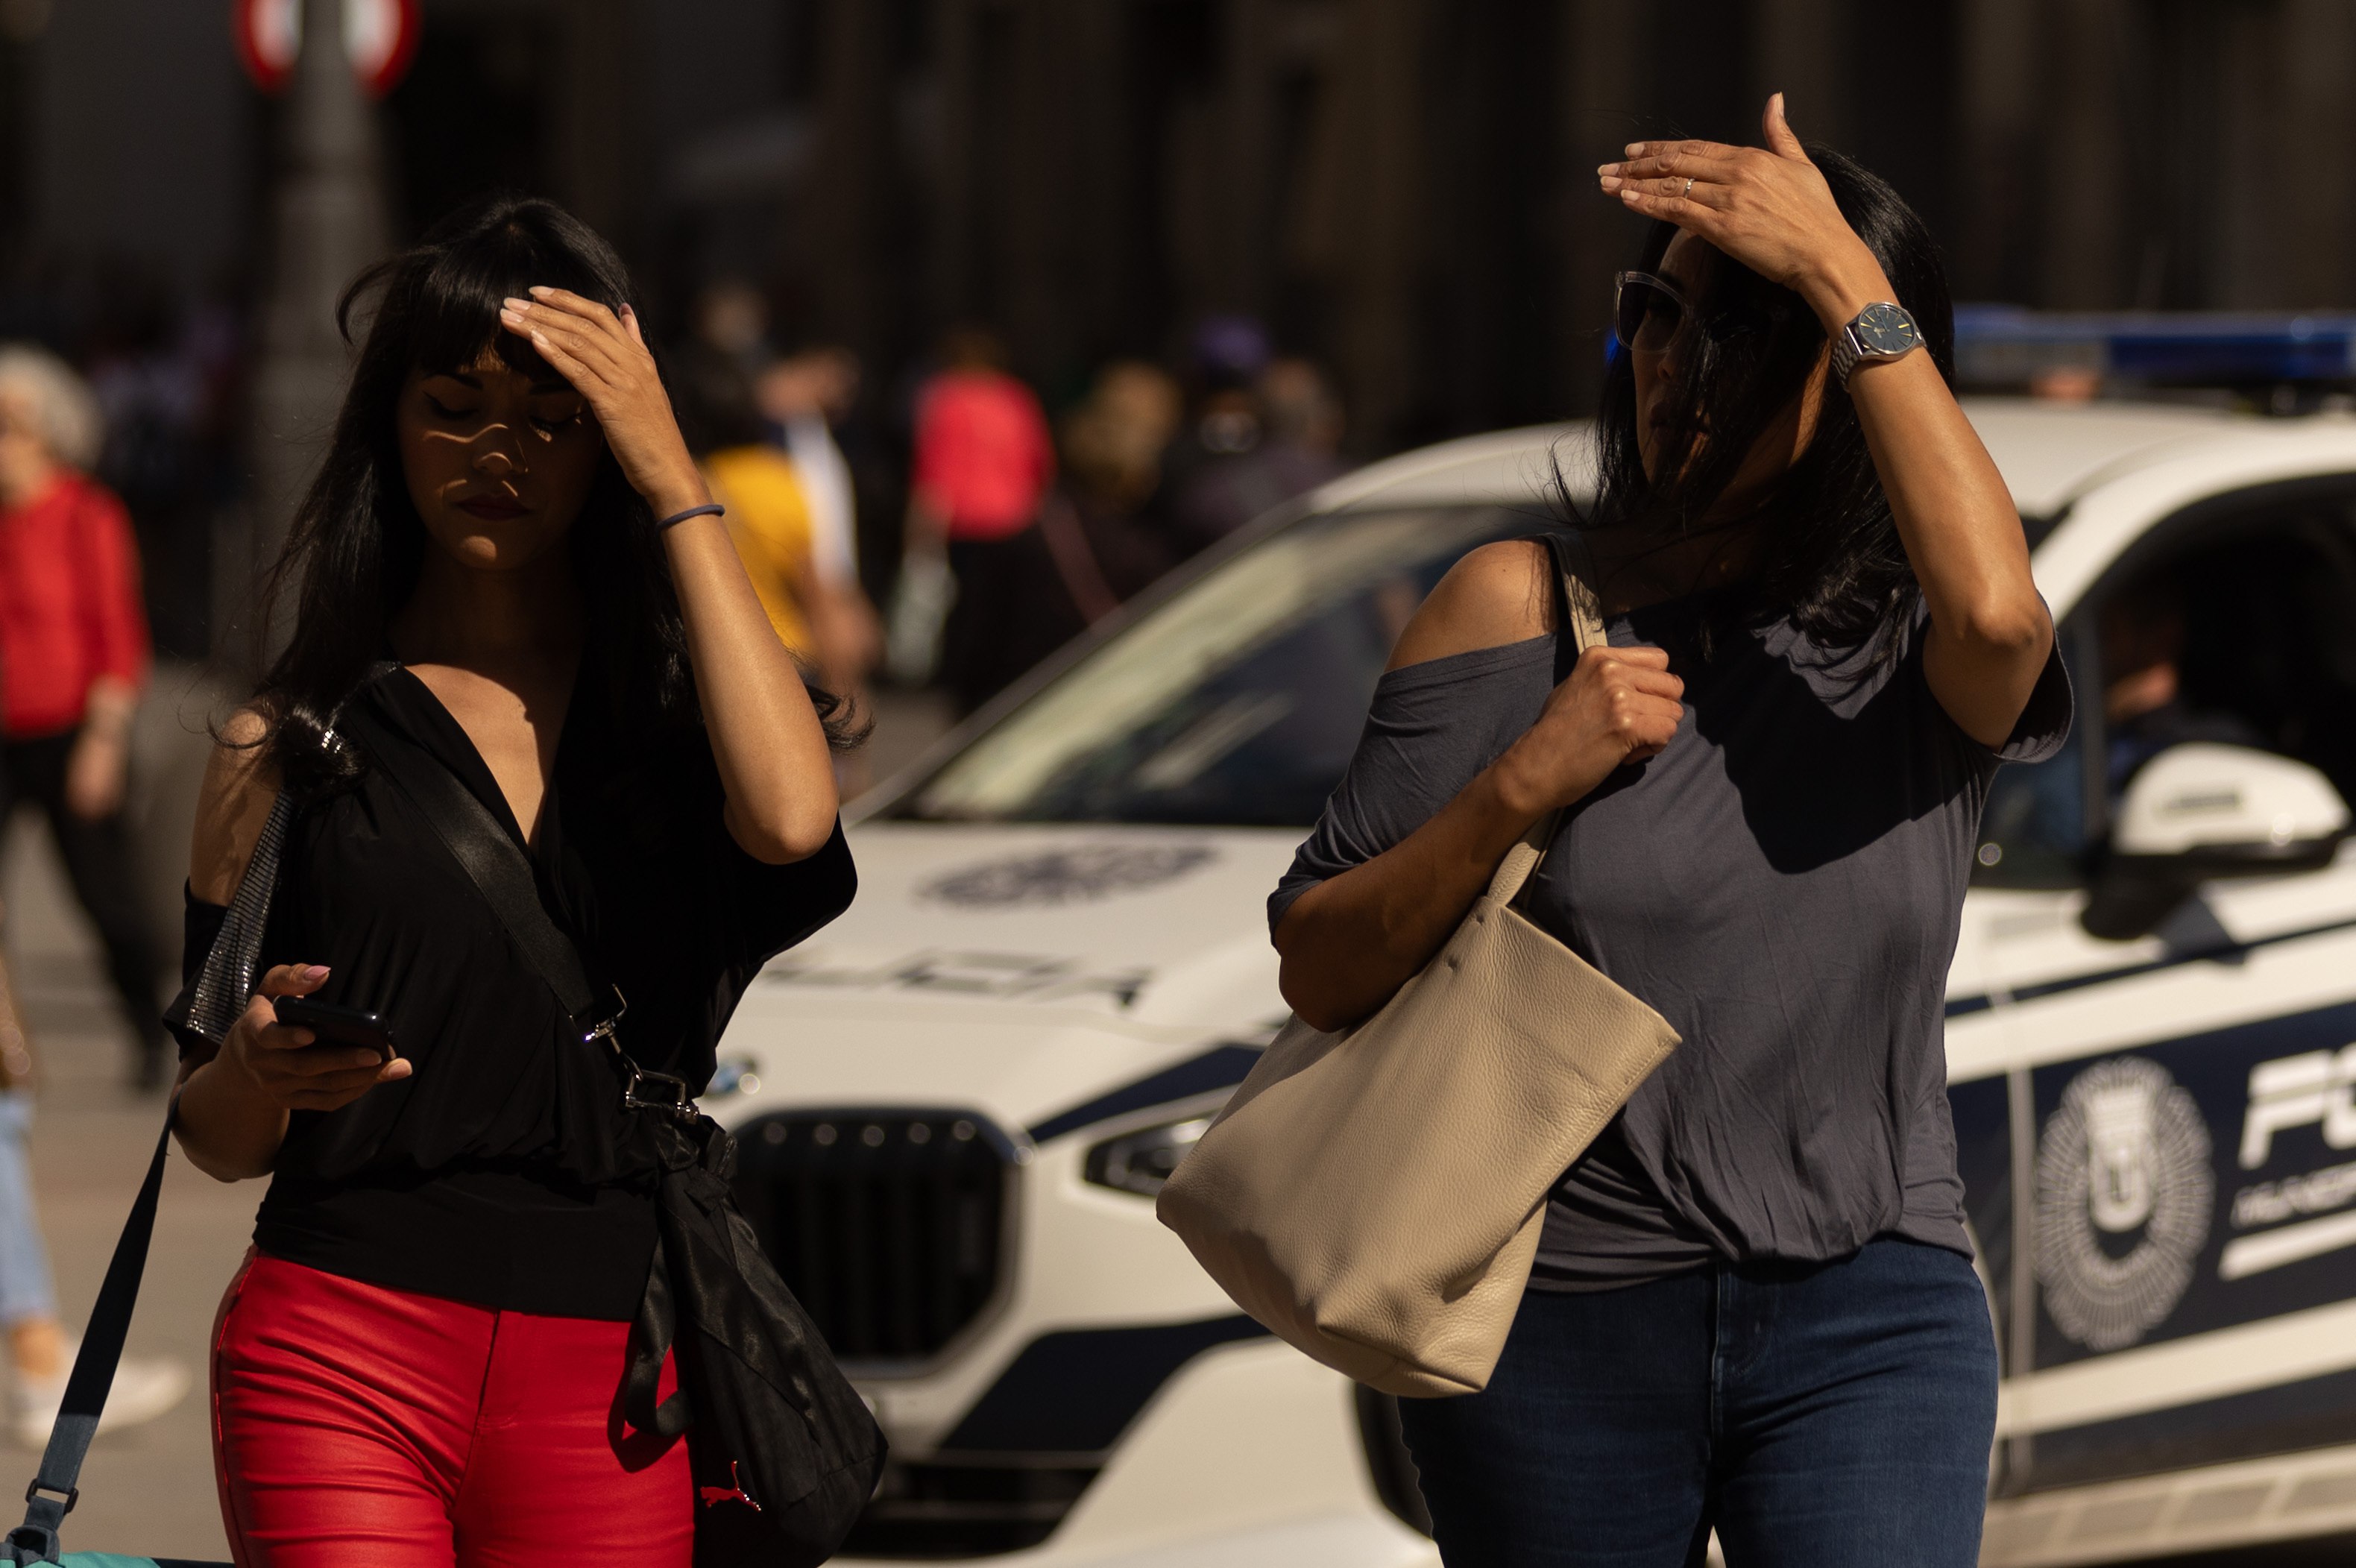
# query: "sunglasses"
(1648, 312)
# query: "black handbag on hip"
(784, 1451)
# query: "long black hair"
(1833, 560)
(356, 547)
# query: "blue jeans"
(24, 1288)
(1834, 1416)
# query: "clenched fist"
(1618, 706)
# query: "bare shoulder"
(239, 786)
(1498, 594)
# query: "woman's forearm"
(771, 749)
(230, 1131)
(1349, 943)
(1955, 517)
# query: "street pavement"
(150, 1489)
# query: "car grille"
(944, 1508)
(889, 1226)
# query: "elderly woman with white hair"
(73, 656)
(73, 652)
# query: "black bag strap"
(206, 1007)
(54, 1490)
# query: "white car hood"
(1026, 973)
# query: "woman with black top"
(1754, 1308)
(421, 1360)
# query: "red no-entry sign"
(381, 35)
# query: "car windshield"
(1235, 702)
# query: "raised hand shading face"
(498, 461)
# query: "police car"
(957, 1104)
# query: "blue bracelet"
(709, 509)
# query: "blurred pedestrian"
(731, 318)
(769, 516)
(422, 1360)
(1754, 1306)
(1224, 357)
(73, 658)
(1113, 441)
(1267, 429)
(982, 463)
(1296, 438)
(805, 396)
(1304, 420)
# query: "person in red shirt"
(73, 658)
(982, 465)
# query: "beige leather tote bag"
(1374, 1196)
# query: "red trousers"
(357, 1425)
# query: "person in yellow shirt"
(769, 519)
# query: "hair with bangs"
(354, 552)
(1833, 561)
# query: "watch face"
(1885, 329)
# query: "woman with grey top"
(1754, 1309)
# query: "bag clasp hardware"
(642, 1089)
(73, 1495)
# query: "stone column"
(1604, 106)
(1803, 52)
(2087, 185)
(2000, 92)
(597, 146)
(328, 223)
(1382, 209)
(2315, 44)
(852, 173)
(1242, 267)
(956, 230)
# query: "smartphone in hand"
(338, 1025)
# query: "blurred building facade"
(1401, 187)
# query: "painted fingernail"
(540, 338)
(314, 972)
(1610, 182)
(1633, 149)
(513, 303)
(512, 317)
(539, 290)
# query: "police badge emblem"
(2123, 1197)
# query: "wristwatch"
(1881, 331)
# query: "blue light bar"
(2002, 345)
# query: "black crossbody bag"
(783, 1450)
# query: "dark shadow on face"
(497, 463)
(1664, 427)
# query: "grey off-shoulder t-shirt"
(1783, 884)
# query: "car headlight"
(731, 1075)
(1139, 1161)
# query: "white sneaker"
(145, 1388)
